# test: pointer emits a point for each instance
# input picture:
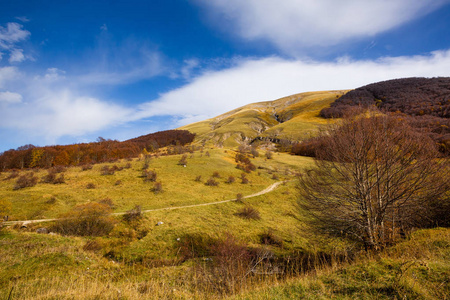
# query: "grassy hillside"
(294, 117)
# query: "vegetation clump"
(27, 180)
(90, 219)
(249, 212)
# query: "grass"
(294, 117)
(179, 185)
(417, 268)
(140, 259)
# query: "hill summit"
(292, 118)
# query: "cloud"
(8, 74)
(254, 80)
(293, 24)
(16, 56)
(60, 113)
(9, 97)
(112, 64)
(13, 33)
(23, 19)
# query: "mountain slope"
(293, 117)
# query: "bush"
(134, 214)
(183, 160)
(269, 238)
(157, 188)
(107, 170)
(90, 185)
(198, 178)
(249, 213)
(24, 181)
(216, 174)
(108, 202)
(90, 219)
(86, 167)
(149, 176)
(231, 179)
(52, 178)
(239, 197)
(244, 179)
(269, 154)
(211, 182)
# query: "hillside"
(292, 118)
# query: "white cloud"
(56, 114)
(8, 74)
(9, 97)
(189, 66)
(13, 33)
(16, 56)
(293, 24)
(216, 92)
(23, 19)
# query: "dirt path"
(265, 191)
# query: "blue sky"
(71, 71)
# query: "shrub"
(86, 167)
(127, 166)
(239, 197)
(249, 213)
(211, 182)
(231, 179)
(90, 219)
(269, 238)
(90, 185)
(133, 214)
(244, 179)
(59, 169)
(108, 202)
(14, 174)
(157, 188)
(269, 154)
(149, 176)
(198, 178)
(254, 152)
(216, 174)
(24, 181)
(275, 177)
(183, 160)
(107, 170)
(52, 178)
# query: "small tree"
(373, 178)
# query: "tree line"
(103, 150)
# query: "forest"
(423, 103)
(103, 150)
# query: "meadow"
(249, 248)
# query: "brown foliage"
(373, 178)
(211, 182)
(82, 154)
(90, 219)
(27, 180)
(249, 213)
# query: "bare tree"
(372, 179)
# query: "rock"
(42, 230)
(159, 223)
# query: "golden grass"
(299, 115)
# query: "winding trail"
(265, 191)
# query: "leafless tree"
(372, 179)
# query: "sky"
(72, 71)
